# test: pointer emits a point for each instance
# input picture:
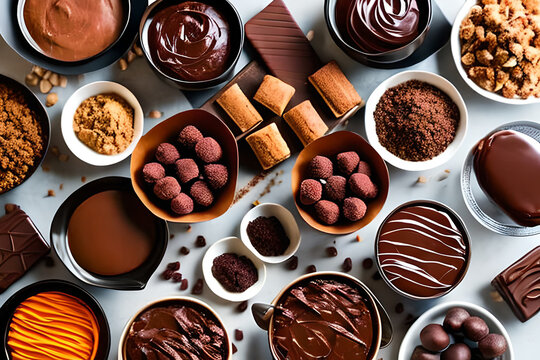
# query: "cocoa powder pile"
(416, 121)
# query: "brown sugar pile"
(104, 123)
(21, 138)
(416, 121)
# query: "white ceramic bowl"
(125, 333)
(430, 78)
(455, 44)
(231, 245)
(286, 219)
(436, 315)
(77, 147)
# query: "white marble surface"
(491, 252)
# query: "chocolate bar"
(519, 285)
(21, 246)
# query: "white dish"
(286, 219)
(430, 78)
(455, 44)
(231, 245)
(436, 315)
(77, 147)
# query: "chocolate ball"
(310, 191)
(457, 351)
(217, 175)
(186, 170)
(420, 353)
(434, 338)
(189, 137)
(335, 188)
(347, 162)
(167, 188)
(152, 172)
(354, 209)
(364, 168)
(182, 204)
(362, 186)
(201, 194)
(475, 328)
(327, 212)
(453, 321)
(167, 154)
(492, 345)
(320, 167)
(208, 150)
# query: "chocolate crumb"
(311, 269)
(399, 308)
(50, 193)
(184, 285)
(293, 263)
(171, 236)
(234, 349)
(447, 171)
(242, 306)
(376, 275)
(200, 242)
(174, 266)
(347, 264)
(184, 250)
(167, 274)
(421, 180)
(61, 186)
(49, 261)
(63, 157)
(250, 185)
(83, 179)
(367, 263)
(238, 335)
(176, 277)
(410, 319)
(331, 251)
(198, 287)
(358, 238)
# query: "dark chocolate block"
(519, 285)
(21, 246)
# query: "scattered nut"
(358, 238)
(31, 79)
(39, 71)
(495, 296)
(137, 50)
(63, 81)
(155, 114)
(51, 99)
(54, 79)
(47, 74)
(447, 171)
(45, 86)
(256, 203)
(122, 64)
(310, 34)
(421, 180)
(50, 193)
(83, 179)
(130, 56)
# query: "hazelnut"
(51, 99)
(45, 86)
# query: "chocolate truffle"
(475, 328)
(186, 170)
(362, 186)
(201, 194)
(347, 162)
(420, 353)
(167, 188)
(216, 175)
(320, 167)
(208, 150)
(310, 191)
(327, 212)
(167, 154)
(454, 319)
(189, 137)
(152, 172)
(335, 188)
(492, 345)
(182, 204)
(354, 209)
(434, 338)
(457, 351)
(364, 168)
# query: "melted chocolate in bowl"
(324, 318)
(423, 250)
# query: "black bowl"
(236, 26)
(387, 57)
(42, 116)
(133, 280)
(7, 310)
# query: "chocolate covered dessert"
(178, 329)
(507, 167)
(323, 319)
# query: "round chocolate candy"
(475, 328)
(420, 353)
(434, 338)
(454, 319)
(492, 345)
(458, 351)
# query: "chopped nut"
(122, 64)
(468, 59)
(510, 62)
(51, 99)
(54, 79)
(47, 74)
(495, 296)
(63, 81)
(130, 56)
(447, 171)
(155, 114)
(358, 238)
(421, 180)
(310, 34)
(39, 71)
(256, 203)
(45, 86)
(83, 179)
(50, 193)
(189, 228)
(31, 79)
(137, 49)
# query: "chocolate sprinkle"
(200, 242)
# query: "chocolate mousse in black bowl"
(378, 31)
(193, 45)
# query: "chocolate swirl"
(190, 41)
(421, 251)
(376, 26)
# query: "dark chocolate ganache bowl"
(177, 327)
(325, 315)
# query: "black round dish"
(7, 310)
(41, 114)
(133, 280)
(12, 34)
(228, 11)
(387, 57)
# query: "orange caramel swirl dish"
(53, 325)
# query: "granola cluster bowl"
(456, 45)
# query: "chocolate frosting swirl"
(190, 41)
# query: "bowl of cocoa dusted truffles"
(339, 183)
(185, 168)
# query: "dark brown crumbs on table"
(198, 287)
(347, 265)
(376, 275)
(250, 185)
(331, 251)
(174, 266)
(399, 308)
(83, 179)
(184, 250)
(234, 349)
(292, 264)
(367, 263)
(416, 121)
(184, 285)
(238, 335)
(49, 261)
(200, 242)
(176, 277)
(242, 306)
(410, 319)
(311, 269)
(50, 193)
(271, 184)
(171, 236)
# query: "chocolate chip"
(238, 335)
(198, 287)
(311, 269)
(49, 261)
(409, 320)
(167, 274)
(171, 236)
(234, 349)
(376, 276)
(367, 263)
(184, 284)
(174, 266)
(331, 251)
(293, 263)
(200, 242)
(176, 277)
(347, 265)
(184, 250)
(399, 308)
(242, 306)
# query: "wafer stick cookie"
(269, 146)
(274, 94)
(305, 122)
(239, 108)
